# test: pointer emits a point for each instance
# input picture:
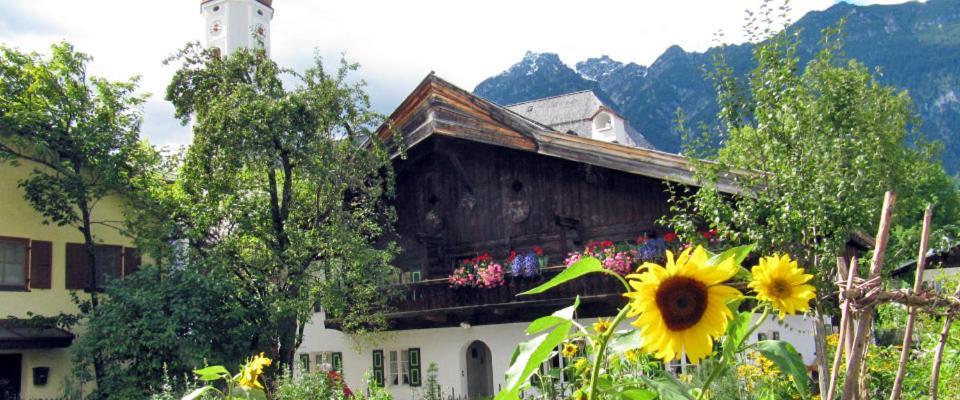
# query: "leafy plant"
(615, 363)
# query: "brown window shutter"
(77, 268)
(110, 263)
(41, 264)
(131, 260)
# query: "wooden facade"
(474, 177)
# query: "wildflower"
(682, 307)
(249, 377)
(569, 350)
(669, 237)
(632, 355)
(580, 364)
(601, 326)
(781, 282)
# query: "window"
(13, 262)
(111, 263)
(402, 366)
(322, 361)
(761, 336)
(775, 335)
(399, 367)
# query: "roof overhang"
(19, 335)
(437, 107)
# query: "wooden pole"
(938, 356)
(865, 322)
(850, 273)
(918, 281)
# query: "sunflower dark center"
(780, 288)
(682, 302)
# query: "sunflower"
(781, 282)
(249, 376)
(569, 350)
(682, 308)
(601, 326)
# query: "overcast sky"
(397, 43)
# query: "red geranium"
(513, 254)
(669, 237)
(538, 251)
(606, 243)
(641, 239)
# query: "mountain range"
(913, 46)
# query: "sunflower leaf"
(635, 394)
(580, 268)
(668, 387)
(529, 356)
(788, 360)
(211, 373)
(543, 323)
(738, 253)
(625, 340)
(197, 393)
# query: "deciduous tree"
(79, 136)
(286, 188)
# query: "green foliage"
(154, 327)
(79, 134)
(432, 385)
(283, 192)
(608, 364)
(80, 138)
(814, 150)
(308, 386)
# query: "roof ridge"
(552, 97)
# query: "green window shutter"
(305, 362)
(414, 359)
(378, 367)
(337, 360)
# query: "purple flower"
(516, 267)
(530, 265)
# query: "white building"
(234, 24)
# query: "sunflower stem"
(713, 375)
(763, 317)
(620, 278)
(601, 350)
(723, 361)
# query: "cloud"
(397, 43)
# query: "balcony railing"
(436, 294)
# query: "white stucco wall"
(447, 348)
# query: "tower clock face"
(215, 28)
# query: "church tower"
(232, 24)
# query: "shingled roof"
(437, 107)
(574, 112)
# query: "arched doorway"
(479, 371)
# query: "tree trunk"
(90, 247)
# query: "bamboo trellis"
(860, 297)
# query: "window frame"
(26, 265)
(398, 367)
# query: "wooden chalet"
(474, 177)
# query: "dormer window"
(602, 122)
(603, 128)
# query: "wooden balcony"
(433, 303)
